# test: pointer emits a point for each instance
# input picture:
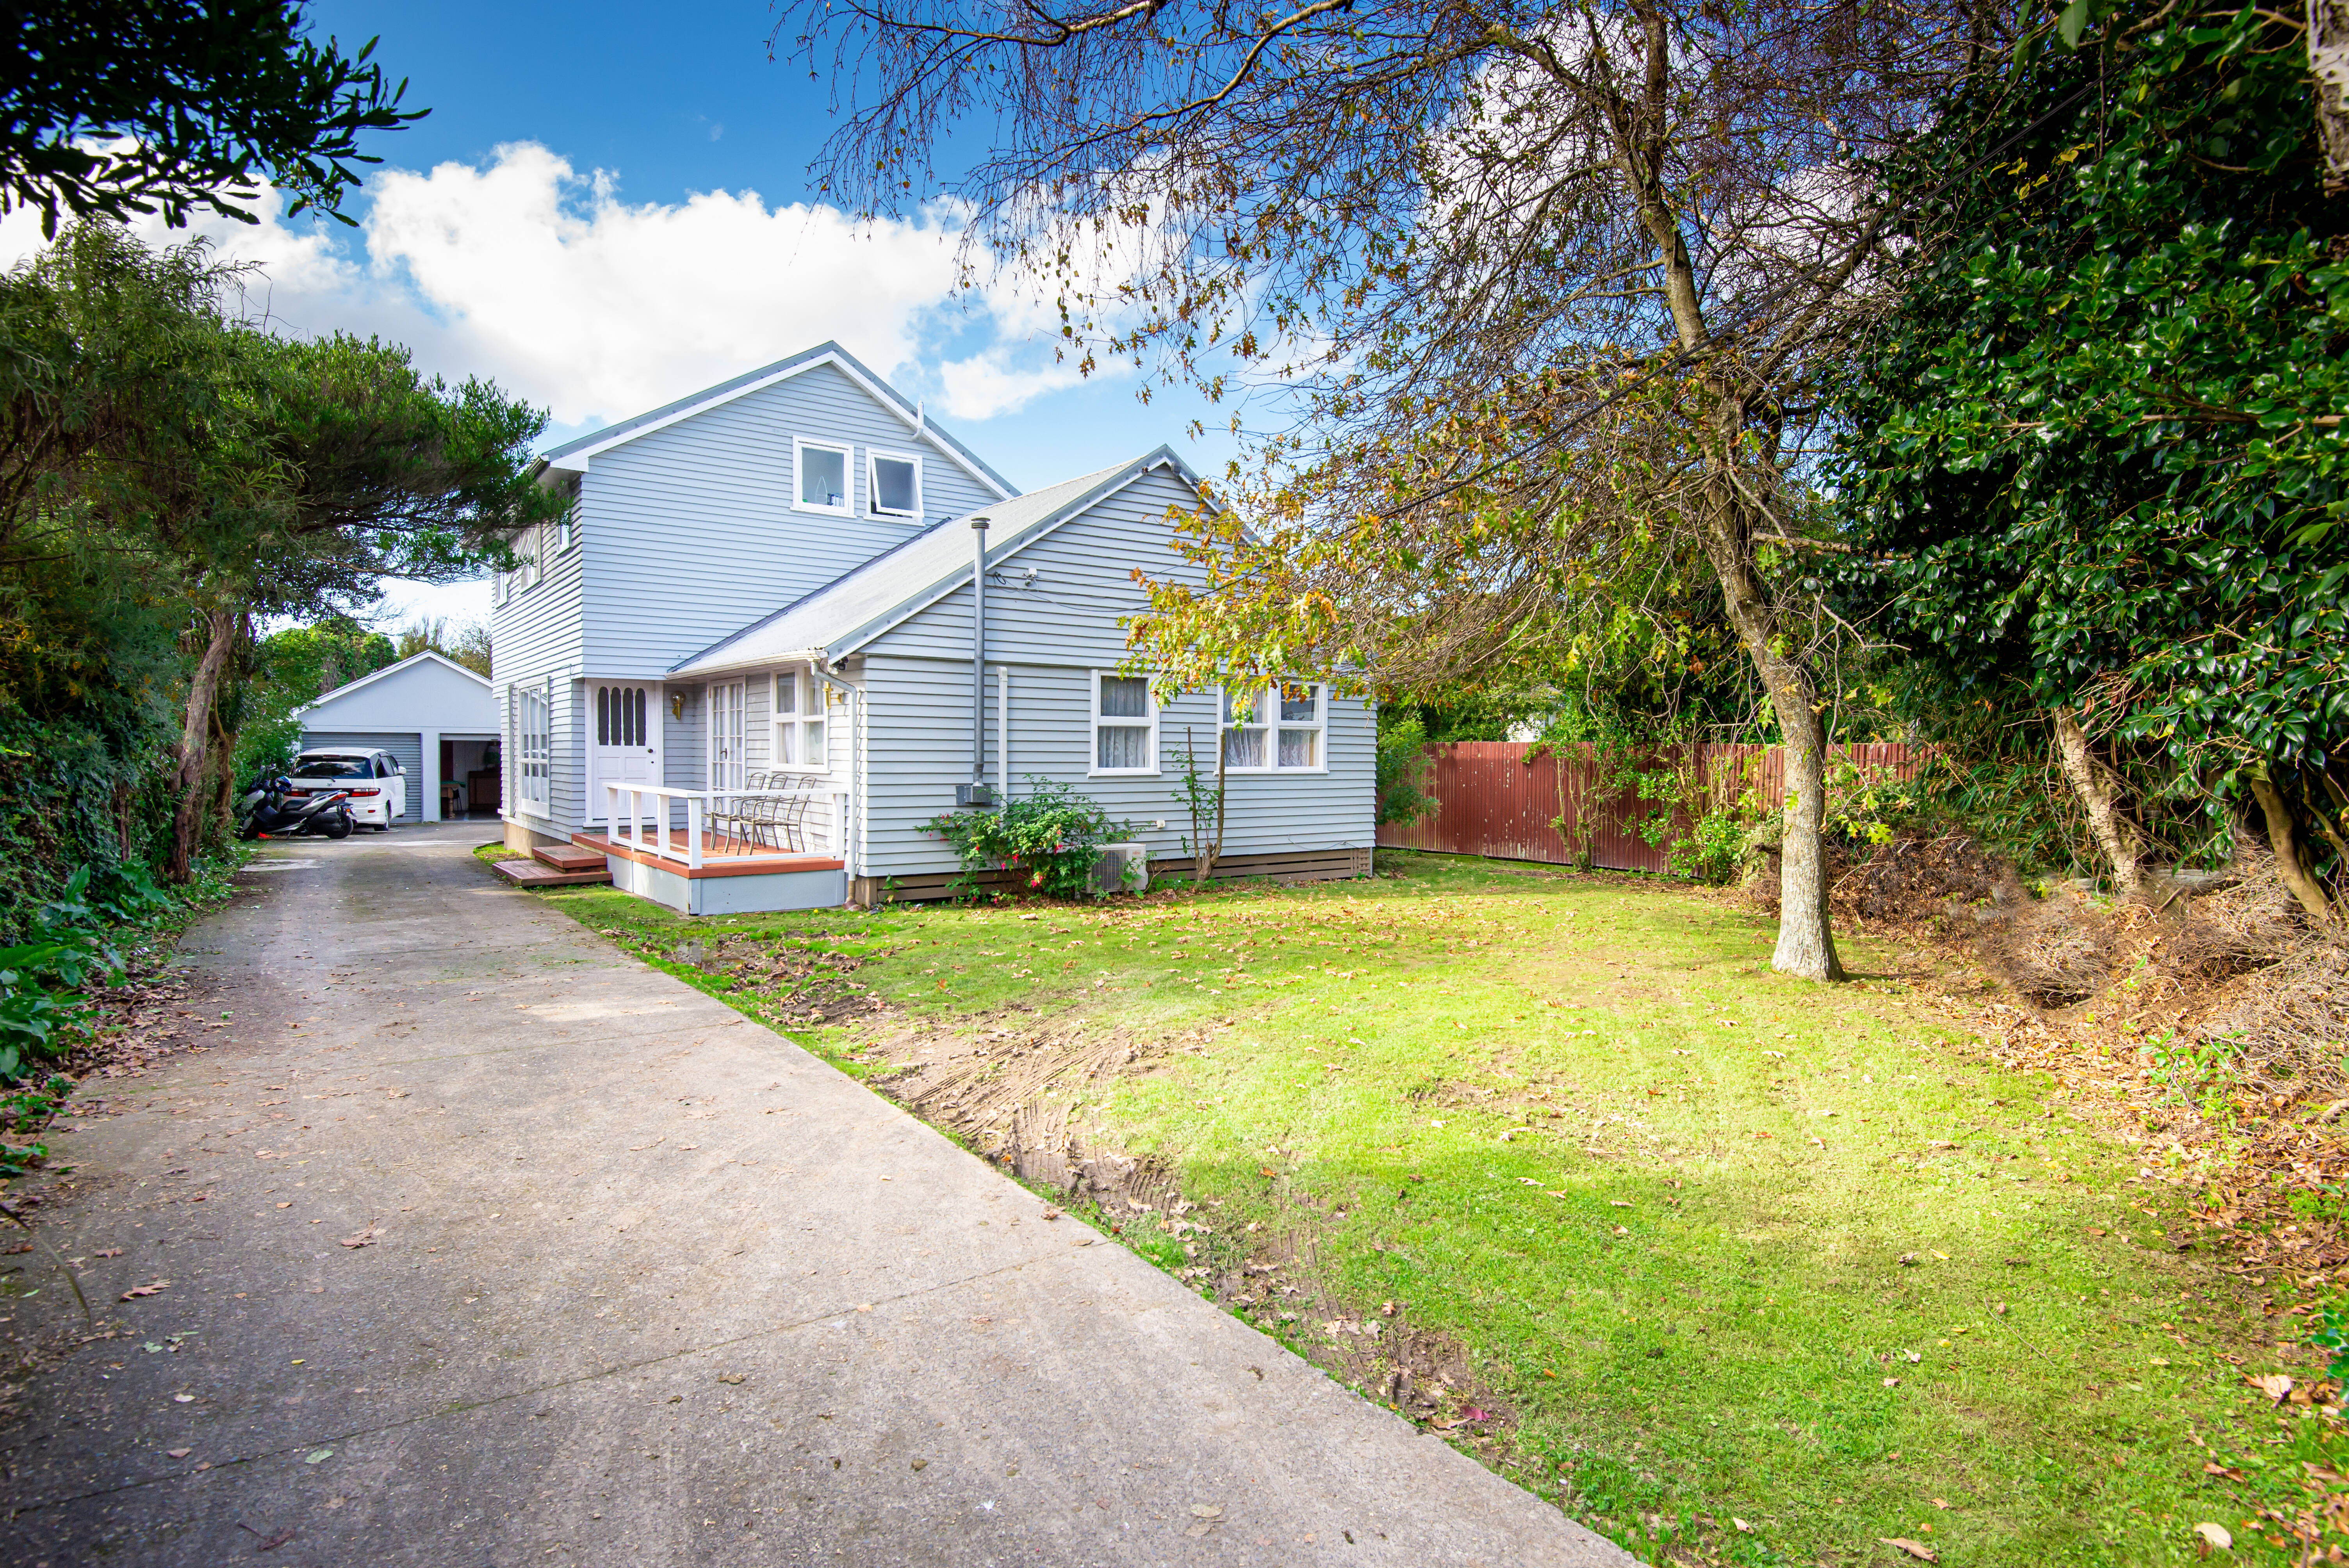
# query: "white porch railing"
(639, 816)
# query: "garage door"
(409, 749)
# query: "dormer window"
(821, 477)
(896, 484)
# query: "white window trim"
(804, 679)
(1268, 713)
(1093, 769)
(847, 450)
(533, 755)
(724, 703)
(874, 456)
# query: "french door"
(726, 735)
(626, 746)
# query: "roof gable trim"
(367, 680)
(574, 457)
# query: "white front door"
(625, 748)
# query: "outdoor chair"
(737, 820)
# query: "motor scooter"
(271, 810)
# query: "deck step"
(568, 858)
(530, 873)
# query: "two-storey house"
(790, 619)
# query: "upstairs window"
(896, 484)
(822, 477)
(1126, 725)
(798, 723)
(1282, 729)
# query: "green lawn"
(1706, 1244)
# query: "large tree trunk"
(2098, 786)
(2328, 62)
(195, 735)
(1806, 937)
(2283, 842)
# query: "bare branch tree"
(1474, 243)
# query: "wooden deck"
(722, 855)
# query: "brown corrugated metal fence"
(1506, 798)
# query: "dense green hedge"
(71, 797)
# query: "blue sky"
(609, 208)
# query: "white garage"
(437, 717)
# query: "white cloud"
(545, 279)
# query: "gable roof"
(858, 606)
(347, 687)
(572, 455)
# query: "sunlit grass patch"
(1728, 1244)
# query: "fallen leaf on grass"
(2275, 1384)
(1892, 1382)
(1917, 1548)
(1909, 1260)
(2213, 1535)
(2212, 1467)
(1743, 1528)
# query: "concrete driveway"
(475, 1242)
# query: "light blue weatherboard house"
(761, 652)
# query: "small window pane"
(1299, 705)
(811, 751)
(1301, 748)
(1122, 746)
(893, 485)
(824, 476)
(1124, 696)
(1246, 708)
(1244, 748)
(786, 694)
(810, 696)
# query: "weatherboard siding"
(690, 530)
(1052, 637)
(918, 741)
(1083, 589)
(535, 638)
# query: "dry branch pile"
(2211, 1024)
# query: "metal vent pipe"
(979, 650)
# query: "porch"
(723, 851)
